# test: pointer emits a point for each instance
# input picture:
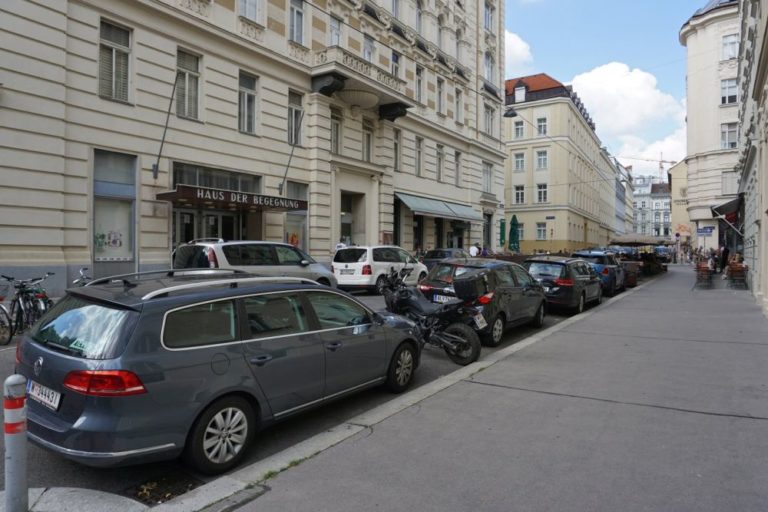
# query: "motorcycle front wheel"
(469, 350)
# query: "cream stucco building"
(711, 36)
(306, 122)
(561, 184)
(680, 222)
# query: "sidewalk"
(655, 400)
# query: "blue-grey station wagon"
(153, 366)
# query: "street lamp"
(510, 112)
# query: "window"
(657, 216)
(396, 64)
(729, 91)
(541, 125)
(288, 255)
(519, 162)
(418, 156)
(519, 130)
(440, 31)
(250, 9)
(519, 194)
(489, 121)
(440, 94)
(203, 324)
(457, 50)
(489, 65)
(114, 58)
(335, 32)
(523, 278)
(541, 231)
(369, 48)
(274, 315)
(396, 143)
(335, 311)
(489, 15)
(541, 193)
(666, 217)
(297, 21)
(249, 254)
(336, 119)
(642, 204)
(396, 8)
(519, 94)
(247, 103)
(188, 78)
(542, 159)
(367, 140)
(730, 46)
(419, 16)
(457, 175)
(458, 113)
(520, 231)
(419, 84)
(440, 155)
(114, 190)
(487, 177)
(295, 113)
(728, 135)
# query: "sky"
(624, 60)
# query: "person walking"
(724, 253)
(474, 251)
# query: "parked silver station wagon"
(151, 366)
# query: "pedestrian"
(484, 252)
(474, 251)
(341, 244)
(724, 253)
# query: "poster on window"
(295, 230)
(112, 220)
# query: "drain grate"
(163, 488)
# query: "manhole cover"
(163, 488)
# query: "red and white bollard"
(15, 410)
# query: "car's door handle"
(261, 360)
(334, 346)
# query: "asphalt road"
(46, 469)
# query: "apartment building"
(653, 208)
(130, 127)
(711, 37)
(561, 183)
(680, 221)
(752, 162)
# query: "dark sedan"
(506, 293)
(433, 256)
(568, 282)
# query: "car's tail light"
(425, 288)
(104, 383)
(367, 271)
(564, 282)
(213, 261)
(485, 299)
(606, 271)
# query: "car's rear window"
(539, 269)
(85, 329)
(446, 273)
(190, 256)
(433, 255)
(350, 255)
(600, 260)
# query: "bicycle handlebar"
(29, 281)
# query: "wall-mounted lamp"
(510, 112)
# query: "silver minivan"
(271, 259)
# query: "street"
(49, 470)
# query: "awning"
(437, 208)
(728, 212)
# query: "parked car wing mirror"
(304, 263)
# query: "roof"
(712, 5)
(540, 82)
(660, 188)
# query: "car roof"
(552, 259)
(134, 293)
(593, 252)
(476, 262)
(206, 241)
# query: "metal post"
(15, 409)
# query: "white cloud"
(518, 56)
(670, 148)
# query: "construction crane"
(661, 162)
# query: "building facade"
(752, 164)
(130, 127)
(711, 36)
(652, 207)
(561, 184)
(680, 222)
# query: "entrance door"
(185, 227)
(221, 225)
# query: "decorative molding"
(299, 52)
(199, 7)
(250, 29)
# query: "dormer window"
(519, 94)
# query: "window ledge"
(187, 118)
(116, 100)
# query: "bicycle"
(30, 301)
(6, 327)
(84, 278)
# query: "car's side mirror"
(304, 263)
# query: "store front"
(449, 223)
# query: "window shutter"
(121, 75)
(192, 97)
(181, 94)
(105, 71)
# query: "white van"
(367, 267)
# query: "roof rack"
(173, 272)
(233, 283)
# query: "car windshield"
(446, 272)
(538, 269)
(350, 255)
(84, 329)
(435, 255)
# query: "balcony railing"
(345, 59)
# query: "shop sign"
(185, 195)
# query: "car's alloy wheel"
(401, 368)
(380, 285)
(580, 306)
(538, 320)
(495, 333)
(221, 435)
(599, 296)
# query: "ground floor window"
(296, 221)
(418, 232)
(487, 229)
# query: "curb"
(244, 481)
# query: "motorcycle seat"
(424, 307)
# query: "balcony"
(359, 82)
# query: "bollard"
(15, 409)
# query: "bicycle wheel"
(6, 327)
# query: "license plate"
(441, 298)
(347, 271)
(480, 321)
(44, 395)
(546, 288)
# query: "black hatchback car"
(507, 294)
(569, 282)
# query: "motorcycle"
(84, 278)
(441, 325)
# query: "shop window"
(114, 191)
(296, 221)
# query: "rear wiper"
(65, 348)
